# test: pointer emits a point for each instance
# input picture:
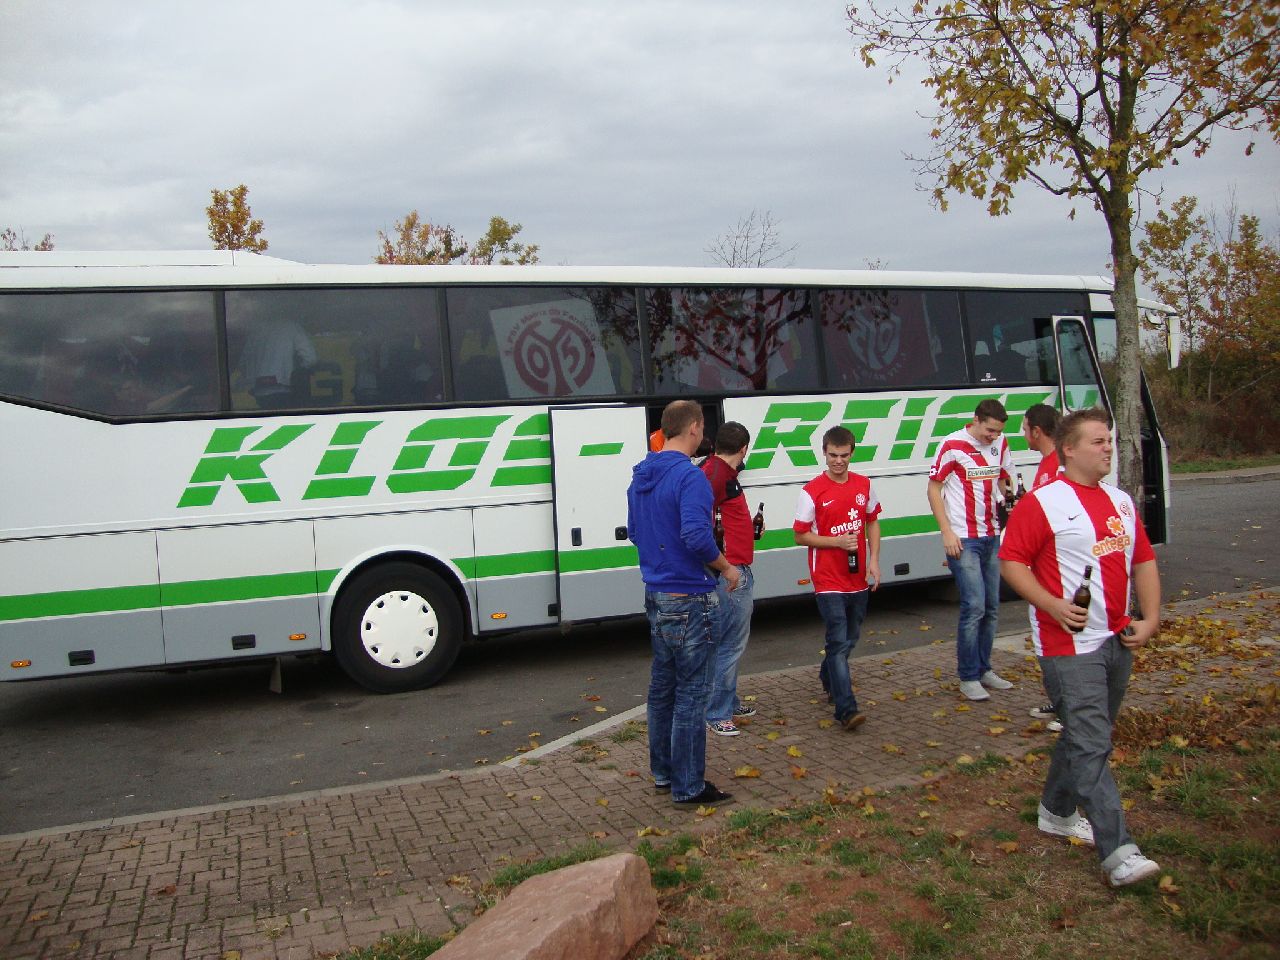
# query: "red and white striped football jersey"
(1059, 528)
(968, 472)
(1048, 470)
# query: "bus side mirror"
(1174, 338)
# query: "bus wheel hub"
(399, 629)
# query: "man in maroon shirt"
(722, 469)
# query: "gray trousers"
(1086, 691)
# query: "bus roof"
(200, 268)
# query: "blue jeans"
(1086, 691)
(842, 613)
(735, 628)
(977, 576)
(684, 632)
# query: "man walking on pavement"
(722, 469)
(669, 521)
(969, 467)
(1063, 530)
(1039, 425)
(837, 518)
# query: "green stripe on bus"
(603, 558)
(511, 564)
(303, 583)
(66, 603)
(601, 449)
(268, 586)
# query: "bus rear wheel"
(397, 627)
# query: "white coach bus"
(213, 456)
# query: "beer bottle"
(1021, 491)
(757, 522)
(718, 531)
(853, 559)
(1083, 595)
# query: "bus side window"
(891, 338)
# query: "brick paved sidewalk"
(308, 877)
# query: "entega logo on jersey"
(1119, 540)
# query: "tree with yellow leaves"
(1083, 98)
(231, 223)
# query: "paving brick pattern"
(310, 877)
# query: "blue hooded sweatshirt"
(669, 520)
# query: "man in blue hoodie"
(669, 520)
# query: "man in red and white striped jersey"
(1056, 532)
(971, 466)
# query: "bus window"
(527, 342)
(1012, 334)
(891, 338)
(721, 339)
(116, 354)
(1079, 379)
(324, 348)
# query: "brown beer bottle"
(757, 522)
(1083, 595)
(718, 531)
(1021, 491)
(853, 560)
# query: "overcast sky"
(616, 133)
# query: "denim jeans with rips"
(684, 630)
(842, 613)
(977, 575)
(1086, 690)
(735, 622)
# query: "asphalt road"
(98, 747)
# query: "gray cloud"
(614, 133)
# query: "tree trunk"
(1127, 402)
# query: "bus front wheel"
(397, 627)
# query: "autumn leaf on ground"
(602, 709)
(652, 832)
(1009, 846)
(484, 733)
(602, 801)
(507, 723)
(962, 708)
(794, 751)
(890, 748)
(964, 760)
(899, 696)
(592, 697)
(933, 743)
(772, 735)
(1166, 885)
(995, 731)
(798, 773)
(743, 772)
(705, 811)
(826, 724)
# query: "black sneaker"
(853, 721)
(1044, 713)
(662, 788)
(743, 710)
(710, 794)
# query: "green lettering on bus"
(330, 480)
(793, 433)
(858, 414)
(223, 461)
(530, 442)
(472, 436)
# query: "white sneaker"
(973, 690)
(1043, 712)
(1135, 867)
(995, 681)
(1080, 828)
(1054, 726)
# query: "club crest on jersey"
(860, 499)
(1119, 540)
(1126, 509)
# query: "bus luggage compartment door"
(593, 450)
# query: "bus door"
(593, 450)
(1078, 373)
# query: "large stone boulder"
(591, 911)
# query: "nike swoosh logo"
(1069, 519)
(827, 503)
